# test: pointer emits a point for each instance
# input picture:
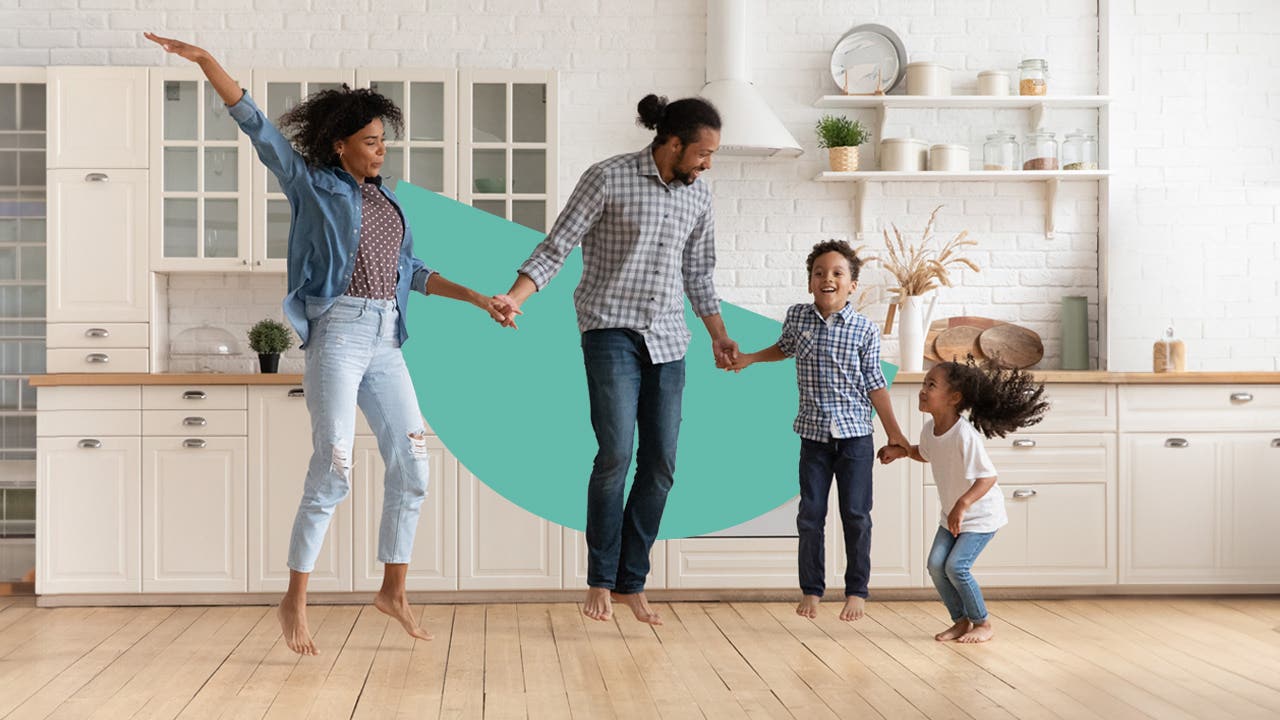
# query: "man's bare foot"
(961, 627)
(808, 606)
(980, 633)
(292, 615)
(398, 608)
(639, 606)
(853, 608)
(598, 606)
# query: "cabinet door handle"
(98, 358)
(195, 395)
(1024, 442)
(1241, 397)
(1023, 493)
(89, 444)
(257, 262)
(193, 443)
(97, 333)
(244, 262)
(1177, 443)
(96, 177)
(194, 422)
(297, 392)
(1275, 443)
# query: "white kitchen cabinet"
(193, 514)
(434, 564)
(97, 248)
(502, 546)
(725, 562)
(1250, 499)
(575, 562)
(97, 118)
(426, 154)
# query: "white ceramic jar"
(993, 82)
(901, 154)
(947, 157)
(928, 78)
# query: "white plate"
(867, 58)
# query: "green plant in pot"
(269, 338)
(841, 137)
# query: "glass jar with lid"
(1040, 151)
(1035, 77)
(1080, 151)
(1000, 151)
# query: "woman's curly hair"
(325, 117)
(999, 400)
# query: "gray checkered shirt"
(643, 242)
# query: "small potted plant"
(841, 136)
(269, 338)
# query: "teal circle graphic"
(512, 406)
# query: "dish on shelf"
(869, 59)
(491, 185)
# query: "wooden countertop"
(1051, 376)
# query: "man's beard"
(684, 176)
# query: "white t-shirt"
(957, 458)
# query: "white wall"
(1180, 191)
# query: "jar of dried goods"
(1000, 151)
(1080, 151)
(1035, 77)
(1040, 151)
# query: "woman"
(351, 267)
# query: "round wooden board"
(1012, 346)
(958, 342)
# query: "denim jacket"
(324, 231)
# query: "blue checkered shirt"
(837, 365)
(645, 245)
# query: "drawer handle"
(297, 392)
(195, 395)
(1177, 443)
(1023, 493)
(89, 444)
(1275, 443)
(193, 443)
(194, 422)
(1024, 442)
(96, 177)
(99, 358)
(1242, 397)
(97, 333)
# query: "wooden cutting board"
(936, 328)
(978, 322)
(957, 343)
(1011, 346)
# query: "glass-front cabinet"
(426, 152)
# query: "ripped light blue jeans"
(353, 358)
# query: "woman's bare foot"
(961, 627)
(853, 608)
(808, 606)
(980, 633)
(398, 608)
(292, 615)
(639, 606)
(598, 606)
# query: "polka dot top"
(381, 233)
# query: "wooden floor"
(1105, 659)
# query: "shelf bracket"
(881, 117)
(1050, 200)
(1037, 116)
(859, 207)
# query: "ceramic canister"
(949, 157)
(928, 78)
(903, 154)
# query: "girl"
(999, 402)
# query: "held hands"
(503, 309)
(742, 363)
(889, 453)
(726, 353)
(183, 50)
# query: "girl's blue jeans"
(950, 562)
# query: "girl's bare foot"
(980, 633)
(808, 606)
(597, 606)
(853, 608)
(398, 608)
(639, 606)
(961, 627)
(292, 615)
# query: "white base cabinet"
(500, 545)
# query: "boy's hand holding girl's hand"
(889, 453)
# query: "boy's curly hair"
(999, 400)
(840, 246)
(325, 117)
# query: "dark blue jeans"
(626, 390)
(849, 460)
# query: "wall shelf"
(1037, 104)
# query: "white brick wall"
(1194, 212)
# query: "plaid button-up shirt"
(643, 242)
(837, 365)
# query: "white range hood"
(749, 126)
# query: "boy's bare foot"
(961, 627)
(398, 608)
(639, 606)
(853, 608)
(979, 634)
(808, 606)
(597, 605)
(292, 615)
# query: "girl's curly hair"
(325, 117)
(999, 400)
